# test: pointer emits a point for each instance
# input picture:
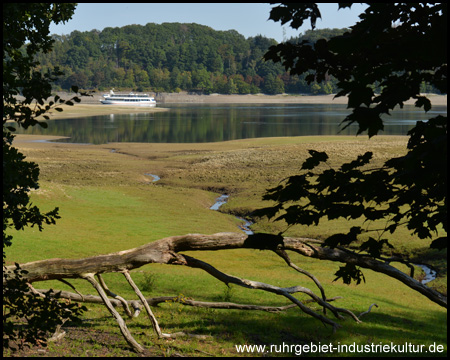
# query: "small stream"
(155, 177)
(221, 200)
(430, 274)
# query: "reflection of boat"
(128, 99)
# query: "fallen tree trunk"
(166, 251)
(169, 251)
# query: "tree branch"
(144, 302)
(122, 326)
(286, 258)
(155, 301)
(168, 251)
(286, 292)
(165, 251)
(115, 296)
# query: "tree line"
(173, 57)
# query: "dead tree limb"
(286, 292)
(145, 303)
(165, 251)
(306, 248)
(367, 311)
(155, 301)
(169, 251)
(285, 257)
(115, 296)
(122, 326)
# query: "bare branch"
(283, 254)
(146, 306)
(168, 251)
(183, 301)
(286, 292)
(368, 311)
(122, 326)
(165, 251)
(73, 287)
(115, 296)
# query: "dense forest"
(174, 57)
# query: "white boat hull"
(129, 103)
(130, 99)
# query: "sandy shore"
(168, 98)
(184, 97)
(171, 98)
(82, 110)
(90, 106)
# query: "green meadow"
(107, 203)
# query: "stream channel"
(430, 274)
(221, 200)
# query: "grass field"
(107, 204)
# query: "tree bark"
(155, 301)
(122, 326)
(169, 251)
(166, 251)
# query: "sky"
(249, 19)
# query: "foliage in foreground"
(27, 317)
(30, 319)
(410, 190)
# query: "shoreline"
(171, 98)
(84, 110)
(184, 97)
(91, 106)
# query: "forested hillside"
(174, 57)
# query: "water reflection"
(211, 123)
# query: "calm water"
(190, 123)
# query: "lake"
(191, 123)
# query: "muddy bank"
(172, 98)
(184, 97)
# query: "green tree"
(119, 75)
(201, 79)
(241, 85)
(122, 49)
(25, 33)
(175, 78)
(399, 47)
(78, 79)
(230, 87)
(315, 88)
(273, 85)
(220, 84)
(129, 79)
(186, 80)
(215, 64)
(142, 79)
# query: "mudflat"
(271, 99)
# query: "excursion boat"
(128, 99)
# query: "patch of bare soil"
(82, 342)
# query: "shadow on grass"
(392, 322)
